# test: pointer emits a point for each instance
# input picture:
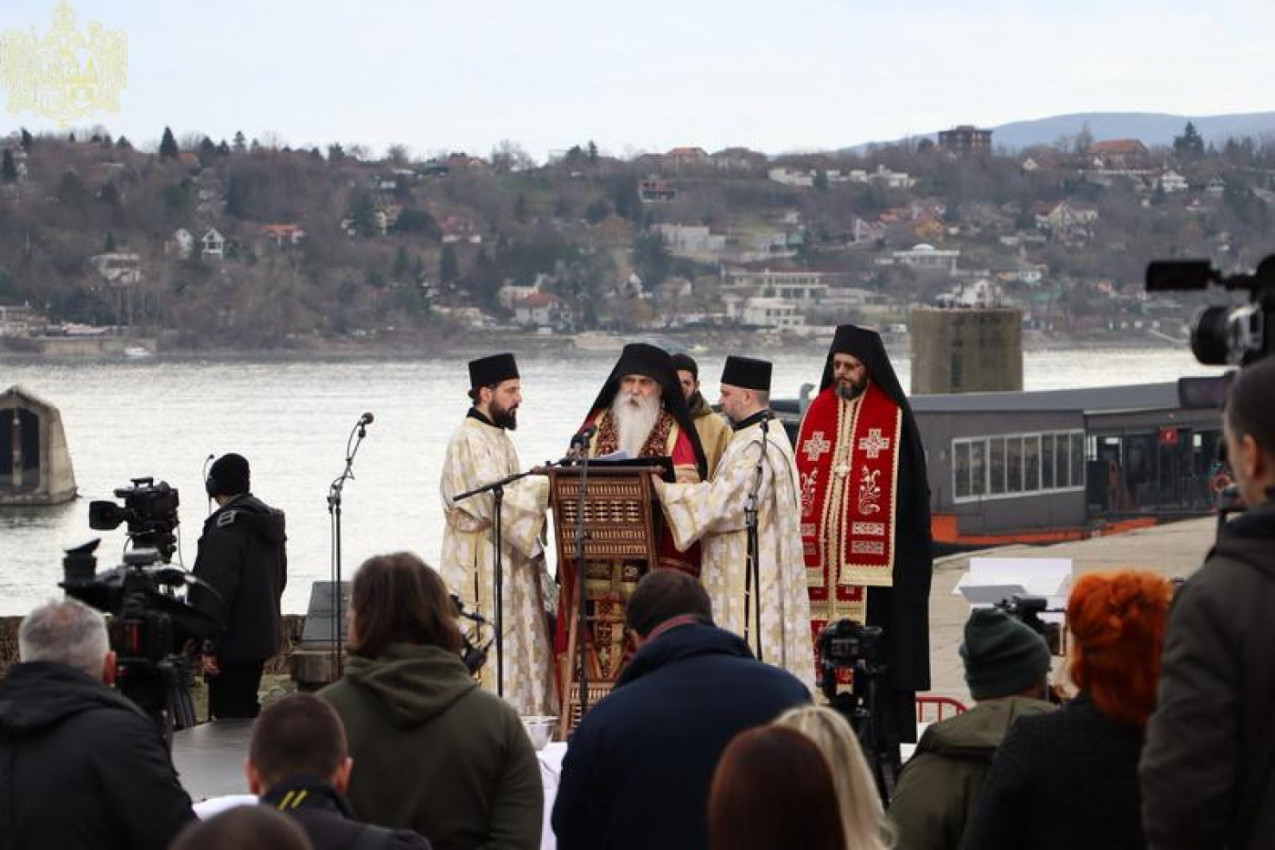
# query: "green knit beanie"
(1002, 655)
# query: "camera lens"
(1209, 336)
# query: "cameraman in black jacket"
(80, 765)
(243, 557)
(1208, 768)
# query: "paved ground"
(1176, 549)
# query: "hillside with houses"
(237, 243)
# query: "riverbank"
(478, 342)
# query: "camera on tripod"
(472, 654)
(150, 510)
(149, 622)
(1027, 610)
(854, 652)
(1236, 335)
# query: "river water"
(162, 418)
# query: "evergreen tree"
(123, 144)
(625, 199)
(1189, 145)
(27, 140)
(223, 149)
(821, 180)
(240, 142)
(448, 267)
(401, 264)
(592, 152)
(207, 151)
(9, 170)
(168, 145)
(336, 153)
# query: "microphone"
(582, 439)
(366, 419)
(468, 615)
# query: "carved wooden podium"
(621, 543)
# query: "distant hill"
(1152, 128)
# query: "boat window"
(1014, 465)
(1047, 461)
(978, 468)
(997, 464)
(1031, 462)
(961, 470)
(1017, 464)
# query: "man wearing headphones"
(243, 560)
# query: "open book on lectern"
(621, 460)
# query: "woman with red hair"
(1070, 778)
(773, 790)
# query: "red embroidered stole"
(848, 459)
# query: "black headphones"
(210, 483)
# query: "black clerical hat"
(686, 363)
(640, 358)
(747, 372)
(489, 371)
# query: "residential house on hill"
(283, 235)
(739, 160)
(458, 228)
(118, 269)
(654, 190)
(687, 157)
(541, 310)
(1117, 153)
(690, 240)
(966, 140)
(212, 244)
(1170, 182)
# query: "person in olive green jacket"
(432, 751)
(1007, 669)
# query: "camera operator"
(80, 765)
(242, 556)
(1208, 770)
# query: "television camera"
(1236, 335)
(851, 650)
(1027, 610)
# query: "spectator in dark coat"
(1069, 779)
(80, 765)
(432, 751)
(243, 558)
(298, 763)
(1208, 771)
(638, 770)
(1007, 670)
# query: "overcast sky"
(653, 74)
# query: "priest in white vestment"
(481, 453)
(714, 512)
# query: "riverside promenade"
(1174, 549)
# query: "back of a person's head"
(298, 735)
(1249, 411)
(665, 595)
(1003, 656)
(1117, 622)
(65, 632)
(857, 797)
(243, 828)
(397, 598)
(773, 790)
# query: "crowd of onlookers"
(1164, 744)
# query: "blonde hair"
(862, 816)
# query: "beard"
(634, 417)
(849, 390)
(504, 417)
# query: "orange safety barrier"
(940, 705)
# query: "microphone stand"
(752, 567)
(497, 490)
(334, 512)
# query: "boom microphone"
(584, 436)
(366, 419)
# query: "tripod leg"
(569, 663)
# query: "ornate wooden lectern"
(621, 544)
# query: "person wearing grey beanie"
(1007, 670)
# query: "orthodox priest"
(641, 413)
(865, 513)
(480, 452)
(757, 472)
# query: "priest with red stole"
(865, 513)
(640, 412)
